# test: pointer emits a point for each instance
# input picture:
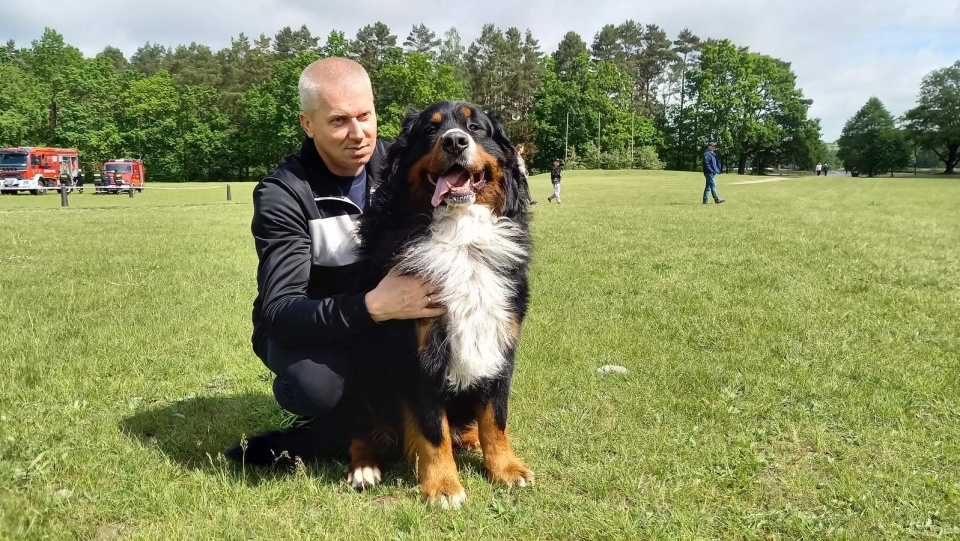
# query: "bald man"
(313, 325)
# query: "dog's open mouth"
(457, 186)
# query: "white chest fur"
(466, 254)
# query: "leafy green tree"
(337, 45)
(871, 143)
(23, 106)
(149, 124)
(934, 123)
(414, 82)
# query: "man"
(826, 169)
(313, 325)
(819, 168)
(555, 174)
(711, 168)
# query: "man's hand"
(402, 297)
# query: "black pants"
(312, 381)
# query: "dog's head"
(453, 153)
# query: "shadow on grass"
(194, 432)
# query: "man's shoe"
(721, 201)
(705, 202)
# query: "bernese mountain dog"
(451, 209)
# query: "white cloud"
(843, 51)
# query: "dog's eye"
(475, 127)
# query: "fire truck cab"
(35, 169)
(120, 174)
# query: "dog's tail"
(283, 447)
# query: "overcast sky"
(843, 51)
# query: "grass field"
(794, 362)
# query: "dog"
(452, 209)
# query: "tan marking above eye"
(467, 112)
(437, 118)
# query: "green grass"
(794, 363)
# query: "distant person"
(711, 168)
(526, 174)
(826, 169)
(555, 173)
(79, 183)
(819, 168)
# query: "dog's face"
(458, 155)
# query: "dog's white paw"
(364, 477)
(452, 501)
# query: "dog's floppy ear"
(408, 120)
(517, 191)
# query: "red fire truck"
(120, 174)
(36, 169)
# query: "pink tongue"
(456, 177)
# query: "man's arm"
(283, 245)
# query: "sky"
(843, 51)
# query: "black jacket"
(555, 173)
(308, 287)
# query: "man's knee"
(308, 388)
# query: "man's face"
(343, 126)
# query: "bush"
(646, 157)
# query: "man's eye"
(363, 117)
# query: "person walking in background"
(526, 174)
(711, 168)
(826, 169)
(555, 174)
(819, 168)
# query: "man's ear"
(306, 124)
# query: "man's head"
(337, 112)
(556, 162)
(712, 146)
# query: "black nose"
(455, 143)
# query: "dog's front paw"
(512, 474)
(364, 477)
(448, 493)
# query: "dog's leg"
(467, 438)
(502, 464)
(428, 446)
(364, 472)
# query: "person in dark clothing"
(711, 168)
(313, 324)
(555, 174)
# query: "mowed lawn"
(794, 362)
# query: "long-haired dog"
(452, 210)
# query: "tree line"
(632, 97)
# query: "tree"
(451, 54)
(373, 45)
(746, 101)
(934, 123)
(422, 40)
(149, 124)
(148, 59)
(337, 45)
(289, 43)
(871, 144)
(23, 106)
(115, 57)
(570, 48)
(414, 82)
